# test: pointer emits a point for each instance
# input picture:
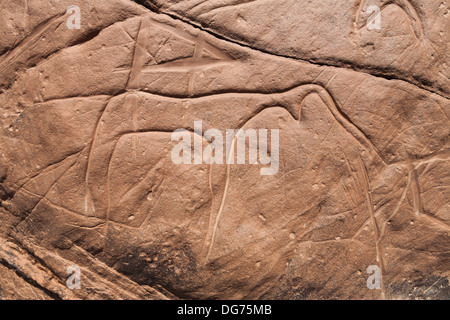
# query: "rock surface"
(87, 179)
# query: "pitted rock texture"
(87, 179)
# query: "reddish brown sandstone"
(86, 176)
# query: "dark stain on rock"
(431, 288)
(172, 267)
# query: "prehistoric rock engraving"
(87, 179)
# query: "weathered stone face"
(87, 176)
